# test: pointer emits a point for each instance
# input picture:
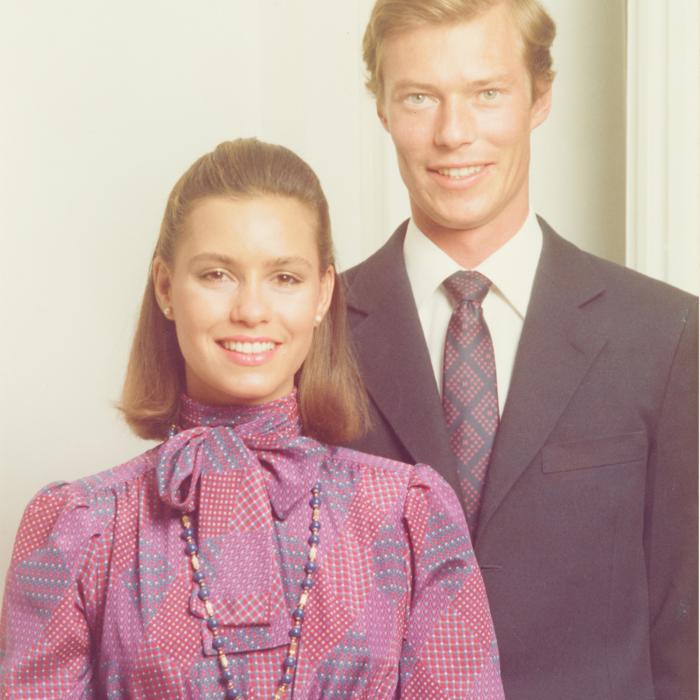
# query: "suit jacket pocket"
(597, 452)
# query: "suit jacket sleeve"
(672, 526)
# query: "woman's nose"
(250, 305)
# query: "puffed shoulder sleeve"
(44, 630)
(449, 648)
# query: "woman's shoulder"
(67, 530)
(417, 475)
(384, 474)
(91, 498)
(365, 461)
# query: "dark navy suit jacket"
(587, 537)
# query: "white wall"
(578, 165)
(663, 140)
(103, 107)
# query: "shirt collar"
(427, 265)
(511, 268)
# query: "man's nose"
(456, 123)
(250, 305)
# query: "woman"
(245, 556)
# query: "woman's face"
(245, 291)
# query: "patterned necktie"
(469, 393)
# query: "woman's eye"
(287, 280)
(214, 275)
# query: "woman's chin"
(248, 394)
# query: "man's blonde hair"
(392, 17)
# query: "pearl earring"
(318, 319)
(167, 311)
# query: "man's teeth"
(461, 172)
(248, 348)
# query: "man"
(555, 391)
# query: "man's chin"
(446, 222)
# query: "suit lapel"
(560, 340)
(394, 358)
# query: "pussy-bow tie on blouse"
(239, 469)
(218, 439)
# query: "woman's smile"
(249, 351)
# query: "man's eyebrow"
(494, 79)
(413, 85)
(418, 86)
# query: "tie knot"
(467, 285)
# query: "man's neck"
(470, 247)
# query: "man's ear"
(541, 106)
(162, 284)
(382, 116)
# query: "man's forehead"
(498, 15)
(476, 49)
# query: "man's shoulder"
(387, 255)
(628, 290)
(622, 285)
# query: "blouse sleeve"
(44, 632)
(449, 647)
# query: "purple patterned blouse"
(100, 601)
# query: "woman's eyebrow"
(213, 257)
(228, 261)
(290, 260)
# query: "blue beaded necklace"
(219, 641)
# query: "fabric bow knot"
(240, 467)
(180, 464)
(219, 439)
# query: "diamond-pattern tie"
(469, 392)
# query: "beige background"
(105, 104)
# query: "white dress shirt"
(511, 270)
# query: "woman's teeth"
(247, 348)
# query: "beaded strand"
(219, 641)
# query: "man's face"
(458, 104)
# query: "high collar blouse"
(100, 601)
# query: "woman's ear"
(162, 284)
(327, 285)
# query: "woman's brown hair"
(332, 400)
